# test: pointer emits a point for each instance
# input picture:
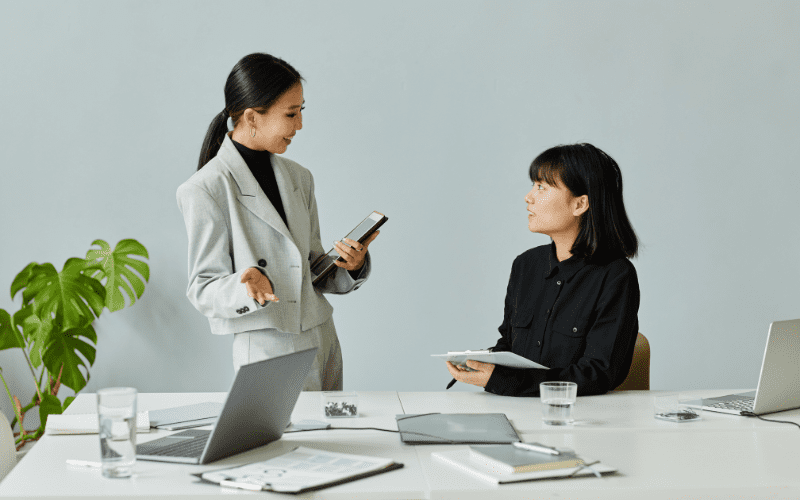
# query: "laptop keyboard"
(736, 405)
(191, 447)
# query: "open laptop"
(256, 412)
(778, 388)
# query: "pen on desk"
(450, 384)
(84, 463)
(537, 447)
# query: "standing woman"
(571, 305)
(251, 217)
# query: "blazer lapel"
(250, 194)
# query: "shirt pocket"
(521, 324)
(569, 341)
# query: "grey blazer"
(233, 226)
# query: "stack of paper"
(86, 423)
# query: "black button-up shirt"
(579, 319)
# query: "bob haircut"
(605, 232)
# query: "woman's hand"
(479, 377)
(354, 254)
(258, 286)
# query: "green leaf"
(50, 405)
(35, 330)
(68, 296)
(21, 280)
(114, 265)
(63, 349)
(67, 402)
(9, 336)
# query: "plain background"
(431, 113)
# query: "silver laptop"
(256, 412)
(779, 383)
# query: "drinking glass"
(116, 415)
(557, 400)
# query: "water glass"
(116, 415)
(557, 400)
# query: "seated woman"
(571, 305)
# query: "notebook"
(256, 412)
(507, 458)
(463, 428)
(178, 417)
(777, 388)
(466, 462)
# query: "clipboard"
(503, 358)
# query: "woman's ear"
(249, 117)
(580, 205)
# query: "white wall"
(430, 113)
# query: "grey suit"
(232, 226)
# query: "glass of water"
(116, 415)
(557, 400)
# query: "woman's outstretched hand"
(354, 254)
(479, 377)
(258, 286)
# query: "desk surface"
(720, 456)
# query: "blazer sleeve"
(214, 288)
(340, 281)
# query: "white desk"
(721, 456)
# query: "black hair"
(256, 81)
(605, 232)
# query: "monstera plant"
(53, 328)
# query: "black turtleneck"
(260, 164)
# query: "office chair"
(638, 378)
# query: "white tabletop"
(720, 456)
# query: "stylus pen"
(537, 447)
(450, 384)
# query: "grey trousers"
(326, 370)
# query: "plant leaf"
(36, 330)
(63, 349)
(115, 265)
(67, 402)
(50, 405)
(21, 280)
(9, 336)
(69, 296)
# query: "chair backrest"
(8, 452)
(638, 378)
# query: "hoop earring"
(252, 132)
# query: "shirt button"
(262, 263)
(558, 282)
(539, 343)
(574, 329)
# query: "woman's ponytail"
(214, 137)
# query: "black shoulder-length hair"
(256, 81)
(605, 231)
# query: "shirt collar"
(566, 268)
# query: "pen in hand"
(450, 384)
